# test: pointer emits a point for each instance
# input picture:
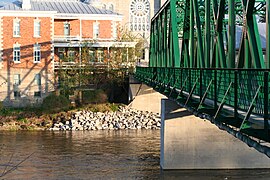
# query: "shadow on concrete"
(178, 114)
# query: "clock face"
(140, 7)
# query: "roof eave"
(15, 12)
(89, 16)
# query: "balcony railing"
(67, 38)
(76, 65)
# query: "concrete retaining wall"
(188, 142)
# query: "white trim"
(19, 46)
(98, 44)
(27, 13)
(18, 13)
(96, 30)
(37, 47)
(90, 16)
(36, 20)
(114, 32)
(15, 21)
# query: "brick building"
(36, 35)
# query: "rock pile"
(125, 118)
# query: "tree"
(111, 73)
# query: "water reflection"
(130, 154)
(81, 155)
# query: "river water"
(123, 154)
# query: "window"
(61, 52)
(96, 30)
(16, 28)
(66, 29)
(111, 8)
(91, 55)
(36, 28)
(139, 15)
(114, 30)
(71, 54)
(37, 53)
(38, 79)
(17, 94)
(16, 53)
(16, 79)
(37, 94)
(100, 55)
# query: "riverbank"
(124, 118)
(93, 117)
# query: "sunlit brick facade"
(37, 35)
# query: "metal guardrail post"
(215, 89)
(266, 104)
(235, 94)
(201, 85)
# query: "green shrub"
(114, 107)
(97, 96)
(54, 103)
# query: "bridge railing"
(239, 97)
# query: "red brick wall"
(105, 29)
(59, 27)
(26, 41)
(87, 28)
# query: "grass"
(36, 118)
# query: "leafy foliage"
(96, 96)
(54, 103)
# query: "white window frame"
(100, 55)
(16, 27)
(71, 54)
(37, 26)
(61, 49)
(66, 29)
(114, 30)
(18, 94)
(38, 79)
(96, 30)
(92, 55)
(16, 79)
(37, 53)
(17, 53)
(111, 7)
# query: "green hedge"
(96, 96)
(54, 103)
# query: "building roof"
(61, 6)
(74, 7)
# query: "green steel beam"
(200, 61)
(207, 33)
(175, 40)
(185, 60)
(191, 36)
(231, 29)
(219, 29)
(206, 29)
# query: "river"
(122, 154)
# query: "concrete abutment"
(188, 142)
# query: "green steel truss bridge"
(212, 57)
